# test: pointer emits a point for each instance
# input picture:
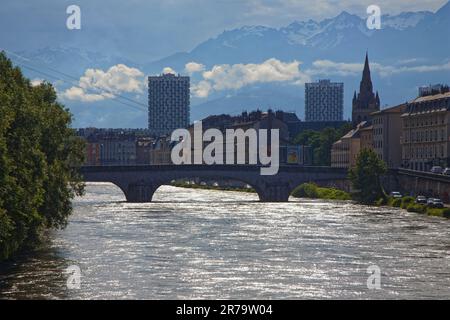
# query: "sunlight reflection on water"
(211, 244)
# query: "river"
(204, 244)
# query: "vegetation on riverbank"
(306, 190)
(184, 184)
(409, 204)
(38, 150)
(365, 177)
(311, 190)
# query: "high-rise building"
(324, 101)
(168, 103)
(366, 102)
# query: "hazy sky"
(149, 29)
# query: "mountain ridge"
(403, 38)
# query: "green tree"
(39, 154)
(328, 136)
(365, 177)
(321, 142)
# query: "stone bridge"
(140, 182)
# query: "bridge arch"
(143, 190)
(139, 183)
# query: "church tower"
(366, 101)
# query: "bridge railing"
(425, 175)
(225, 167)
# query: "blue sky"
(163, 27)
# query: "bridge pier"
(140, 193)
(275, 194)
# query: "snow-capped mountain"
(317, 34)
(343, 37)
(416, 38)
(404, 20)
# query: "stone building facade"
(425, 138)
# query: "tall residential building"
(324, 101)
(366, 102)
(387, 129)
(168, 103)
(426, 132)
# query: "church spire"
(366, 101)
(366, 62)
(366, 81)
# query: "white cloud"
(386, 71)
(77, 93)
(202, 89)
(96, 84)
(408, 61)
(329, 68)
(192, 67)
(232, 77)
(168, 70)
(35, 82)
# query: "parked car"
(395, 194)
(435, 203)
(436, 169)
(421, 200)
(446, 171)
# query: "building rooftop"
(366, 128)
(354, 133)
(395, 109)
(426, 104)
(431, 97)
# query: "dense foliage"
(365, 177)
(321, 142)
(422, 208)
(38, 154)
(311, 190)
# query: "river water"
(203, 244)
